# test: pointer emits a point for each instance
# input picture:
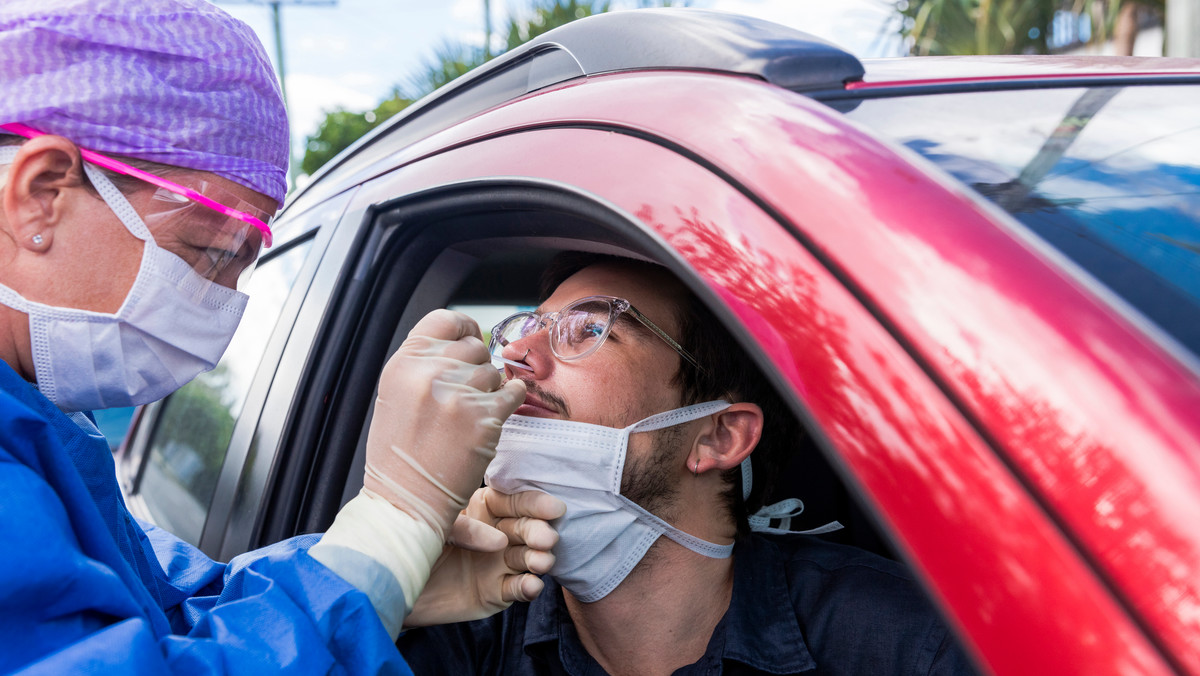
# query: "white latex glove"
(437, 420)
(483, 568)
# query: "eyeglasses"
(210, 196)
(577, 330)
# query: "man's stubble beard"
(649, 483)
(649, 480)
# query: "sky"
(350, 54)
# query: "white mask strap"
(679, 416)
(784, 510)
(117, 202)
(747, 478)
(108, 192)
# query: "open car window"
(488, 264)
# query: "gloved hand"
(437, 420)
(483, 568)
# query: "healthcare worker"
(143, 149)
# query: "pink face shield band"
(258, 221)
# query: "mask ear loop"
(116, 201)
(784, 510)
(108, 192)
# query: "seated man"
(598, 358)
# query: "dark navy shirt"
(800, 605)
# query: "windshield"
(1108, 176)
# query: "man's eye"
(581, 329)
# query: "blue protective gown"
(85, 589)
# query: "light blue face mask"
(603, 534)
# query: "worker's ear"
(40, 175)
(726, 438)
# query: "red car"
(977, 280)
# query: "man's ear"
(43, 169)
(727, 439)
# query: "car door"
(469, 220)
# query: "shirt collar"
(760, 628)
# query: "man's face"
(627, 379)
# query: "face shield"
(218, 234)
(221, 243)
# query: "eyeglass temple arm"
(645, 321)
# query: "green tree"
(548, 15)
(450, 60)
(938, 27)
(340, 128)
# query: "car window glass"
(488, 316)
(1108, 176)
(196, 423)
(114, 424)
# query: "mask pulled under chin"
(603, 534)
(162, 336)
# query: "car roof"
(612, 42)
(715, 42)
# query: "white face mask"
(165, 333)
(603, 534)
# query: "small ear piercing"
(37, 240)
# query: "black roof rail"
(695, 39)
(643, 39)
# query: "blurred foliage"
(450, 60)
(546, 16)
(341, 128)
(196, 428)
(956, 27)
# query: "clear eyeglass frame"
(524, 324)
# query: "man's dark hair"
(728, 373)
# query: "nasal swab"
(512, 363)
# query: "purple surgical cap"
(177, 82)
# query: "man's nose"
(532, 350)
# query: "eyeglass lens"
(575, 330)
(580, 328)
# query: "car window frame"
(304, 230)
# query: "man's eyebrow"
(627, 322)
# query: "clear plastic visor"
(221, 249)
(218, 234)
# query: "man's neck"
(660, 617)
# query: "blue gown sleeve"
(74, 599)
